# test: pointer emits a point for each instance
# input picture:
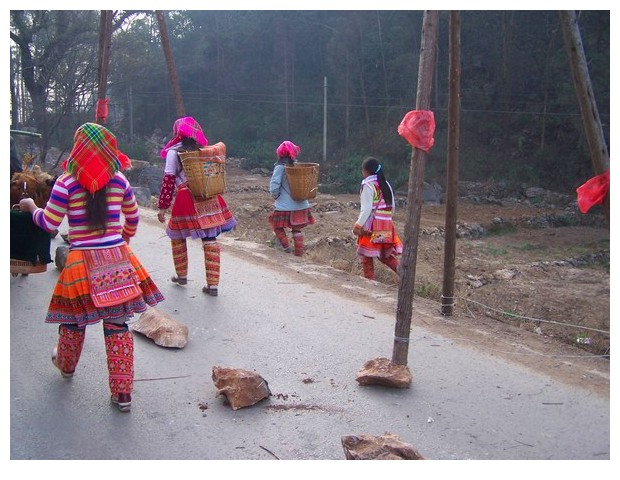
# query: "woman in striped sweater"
(102, 281)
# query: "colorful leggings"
(212, 261)
(298, 240)
(368, 265)
(119, 351)
(211, 250)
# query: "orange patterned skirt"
(366, 248)
(72, 303)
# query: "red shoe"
(122, 401)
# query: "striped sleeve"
(50, 217)
(130, 211)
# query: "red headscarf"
(95, 157)
(185, 127)
(288, 149)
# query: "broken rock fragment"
(241, 388)
(162, 328)
(378, 447)
(382, 371)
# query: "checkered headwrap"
(185, 127)
(95, 157)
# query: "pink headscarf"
(185, 127)
(288, 149)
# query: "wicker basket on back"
(303, 178)
(205, 170)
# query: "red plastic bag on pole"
(101, 111)
(418, 128)
(593, 192)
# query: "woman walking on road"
(376, 235)
(102, 281)
(191, 217)
(288, 213)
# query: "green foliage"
(496, 252)
(527, 247)
(428, 290)
(501, 228)
(138, 150)
(252, 81)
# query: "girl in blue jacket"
(288, 213)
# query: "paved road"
(308, 342)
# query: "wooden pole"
(324, 119)
(172, 70)
(585, 96)
(414, 196)
(454, 110)
(105, 40)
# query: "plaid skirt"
(71, 301)
(198, 218)
(291, 219)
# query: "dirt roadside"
(536, 296)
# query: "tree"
(57, 55)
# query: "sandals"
(210, 291)
(179, 280)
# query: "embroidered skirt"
(198, 218)
(291, 219)
(366, 248)
(71, 301)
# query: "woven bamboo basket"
(25, 268)
(205, 170)
(303, 178)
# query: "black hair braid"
(371, 165)
(188, 144)
(97, 209)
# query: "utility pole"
(454, 109)
(414, 195)
(585, 96)
(324, 119)
(172, 69)
(105, 40)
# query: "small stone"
(242, 388)
(378, 447)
